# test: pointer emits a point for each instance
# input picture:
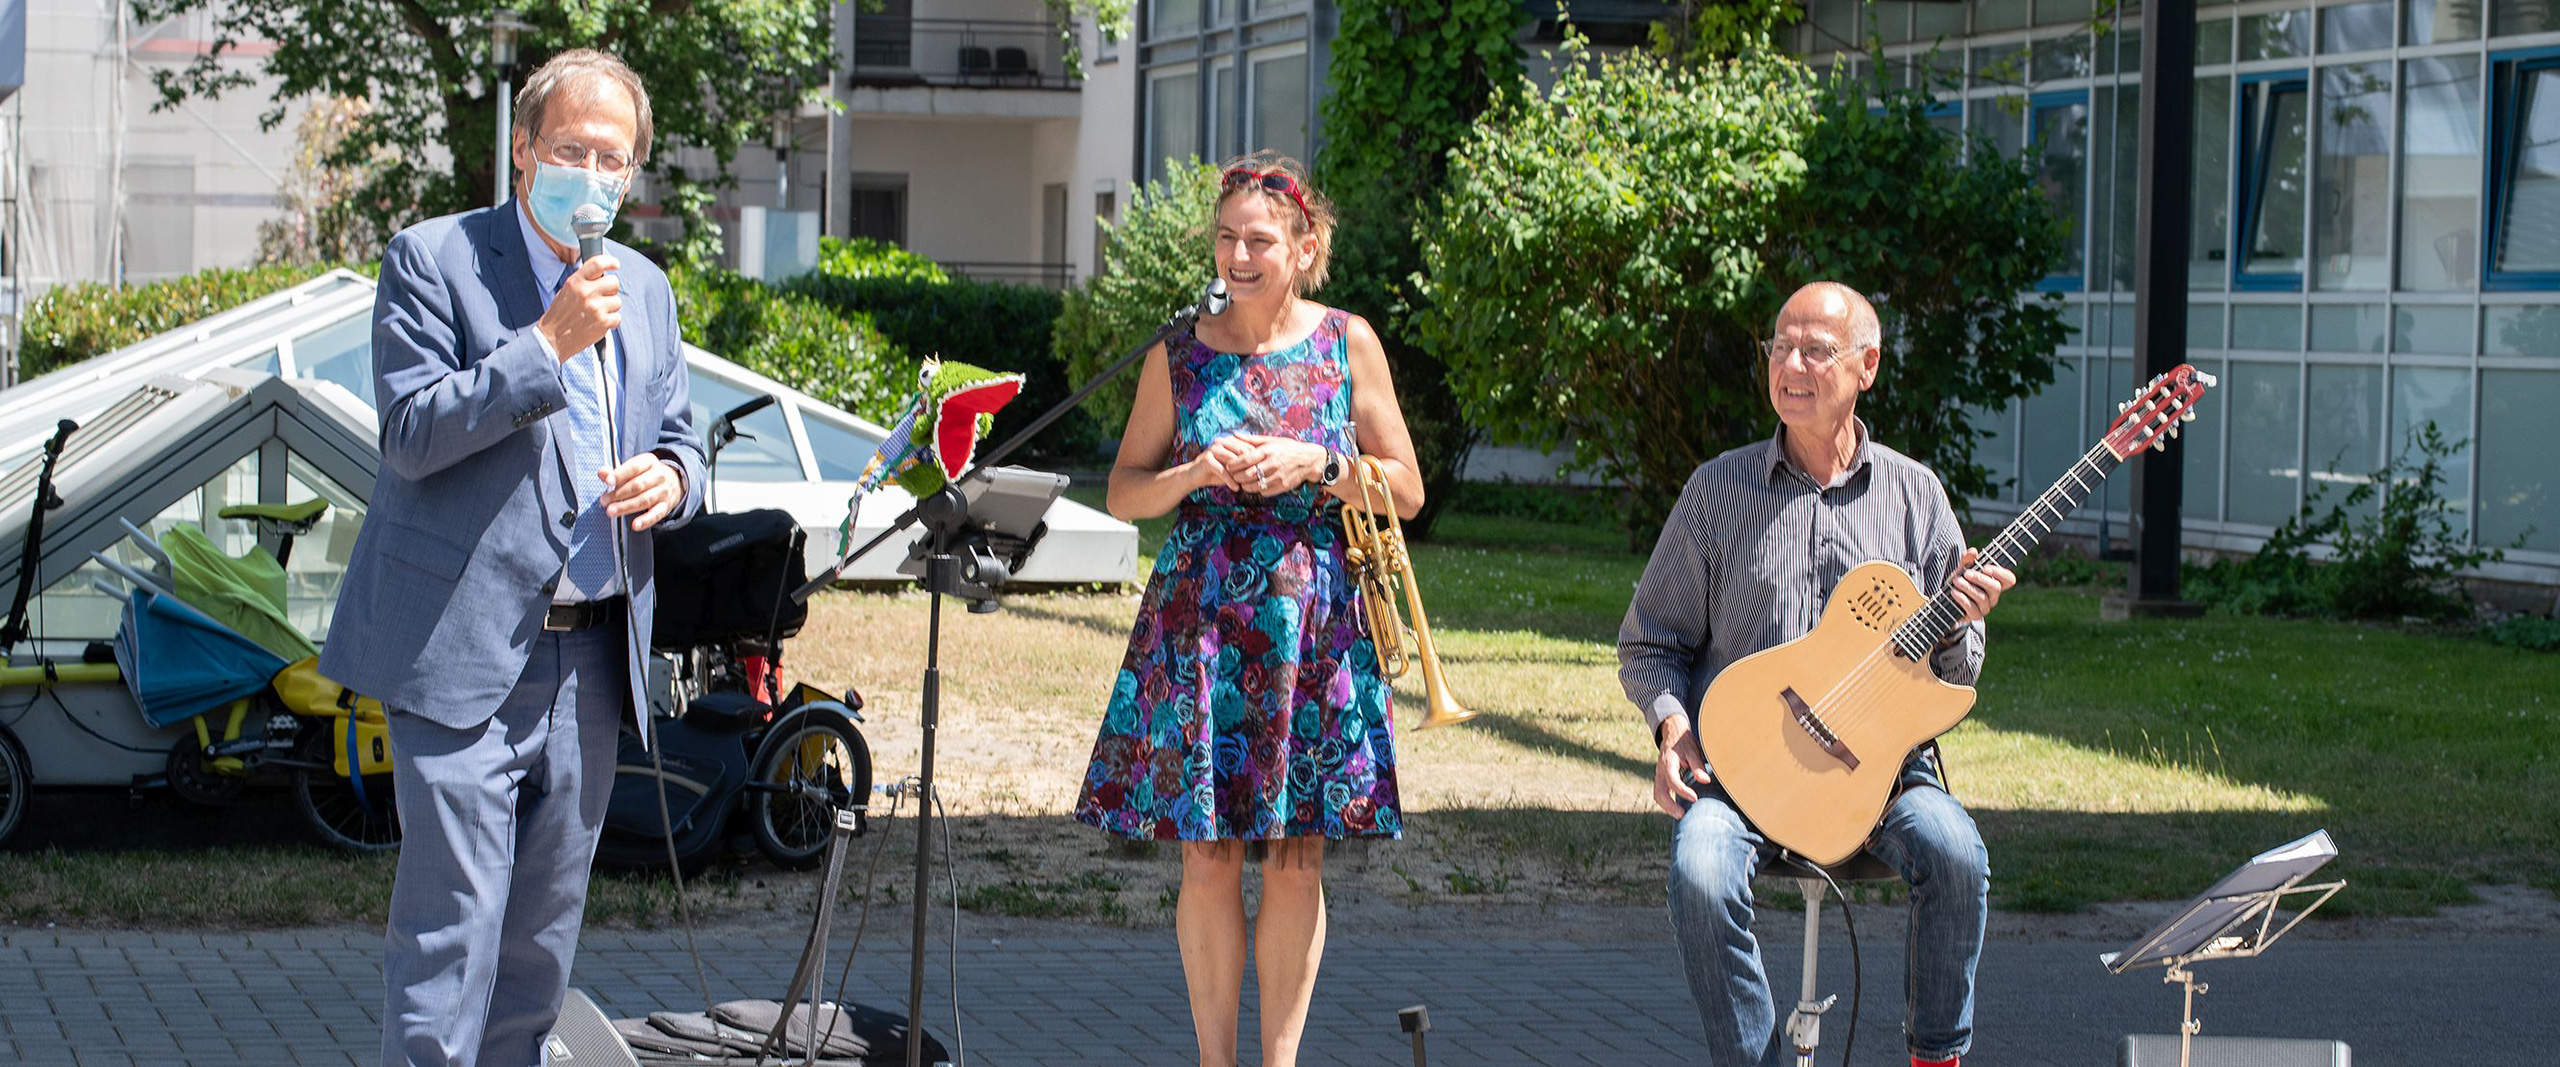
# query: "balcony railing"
(891, 51)
(1045, 275)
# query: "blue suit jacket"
(463, 543)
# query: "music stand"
(2233, 919)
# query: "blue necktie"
(590, 567)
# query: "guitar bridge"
(1814, 725)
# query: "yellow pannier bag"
(305, 691)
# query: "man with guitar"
(1747, 561)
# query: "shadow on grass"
(1116, 626)
(1531, 737)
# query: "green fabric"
(245, 594)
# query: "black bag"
(727, 576)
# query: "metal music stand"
(2234, 919)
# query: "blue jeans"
(1927, 838)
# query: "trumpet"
(1378, 559)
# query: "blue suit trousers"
(498, 827)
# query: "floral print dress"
(1249, 705)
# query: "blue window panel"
(2058, 146)
(2274, 156)
(2523, 205)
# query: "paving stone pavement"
(1069, 995)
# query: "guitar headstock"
(2153, 415)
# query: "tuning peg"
(2159, 444)
(2173, 429)
(2188, 415)
(2123, 404)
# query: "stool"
(1804, 1025)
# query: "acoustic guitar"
(1809, 737)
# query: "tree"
(1155, 259)
(323, 222)
(1407, 80)
(1608, 255)
(717, 71)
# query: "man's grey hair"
(575, 71)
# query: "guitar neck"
(1931, 624)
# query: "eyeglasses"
(573, 154)
(1816, 356)
(1277, 181)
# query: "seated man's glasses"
(608, 161)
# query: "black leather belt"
(565, 617)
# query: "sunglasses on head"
(1277, 181)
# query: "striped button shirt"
(1751, 552)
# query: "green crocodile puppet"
(933, 440)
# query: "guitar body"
(1763, 722)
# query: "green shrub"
(928, 312)
(1609, 253)
(837, 356)
(74, 322)
(1156, 258)
(2528, 632)
(2398, 560)
(1542, 503)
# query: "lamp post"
(503, 27)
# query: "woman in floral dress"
(1249, 707)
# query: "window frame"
(2250, 163)
(2497, 171)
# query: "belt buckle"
(555, 619)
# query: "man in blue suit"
(535, 427)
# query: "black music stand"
(2234, 919)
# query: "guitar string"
(1835, 708)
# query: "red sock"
(1951, 1061)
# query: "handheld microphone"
(1213, 300)
(589, 223)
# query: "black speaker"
(2161, 1050)
(585, 1038)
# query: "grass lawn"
(2105, 761)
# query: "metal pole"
(940, 571)
(2160, 284)
(500, 188)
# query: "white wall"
(1105, 143)
(196, 180)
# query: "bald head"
(1842, 311)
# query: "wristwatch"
(1332, 468)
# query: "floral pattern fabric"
(1249, 705)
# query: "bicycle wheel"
(812, 764)
(343, 818)
(17, 780)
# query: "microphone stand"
(945, 514)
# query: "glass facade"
(2375, 244)
(1223, 77)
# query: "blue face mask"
(558, 192)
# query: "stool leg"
(1804, 1025)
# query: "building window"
(879, 207)
(2524, 174)
(2351, 195)
(2273, 150)
(2209, 228)
(2440, 175)
(1276, 99)
(2060, 128)
(1227, 76)
(1173, 119)
(1106, 210)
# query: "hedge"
(929, 312)
(72, 323)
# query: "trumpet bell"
(1384, 568)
